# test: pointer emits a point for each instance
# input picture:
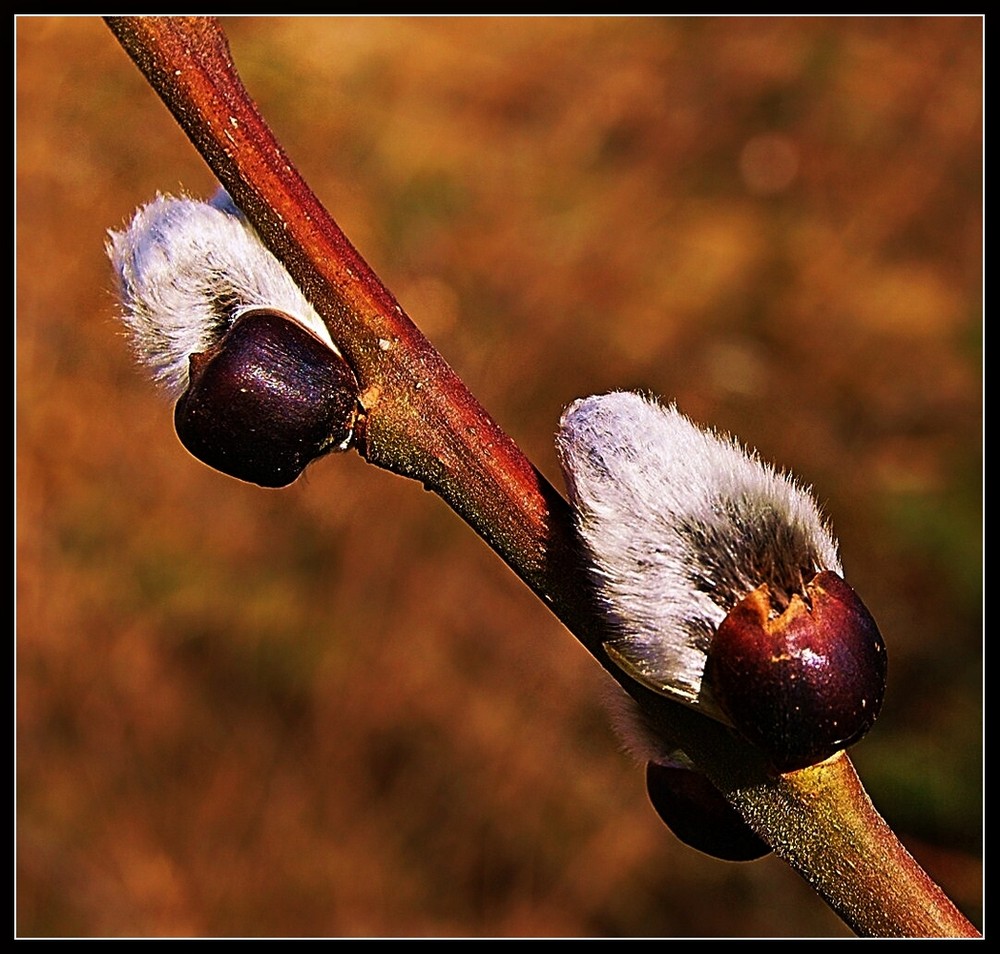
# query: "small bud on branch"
(720, 580)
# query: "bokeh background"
(331, 710)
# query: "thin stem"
(421, 421)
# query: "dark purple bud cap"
(697, 813)
(266, 401)
(803, 681)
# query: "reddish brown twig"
(421, 421)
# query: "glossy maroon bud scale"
(266, 400)
(697, 813)
(801, 680)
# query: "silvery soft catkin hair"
(186, 269)
(681, 524)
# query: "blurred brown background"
(330, 710)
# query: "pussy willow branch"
(421, 421)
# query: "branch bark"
(420, 421)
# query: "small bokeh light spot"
(769, 163)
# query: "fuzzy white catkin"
(681, 524)
(185, 270)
